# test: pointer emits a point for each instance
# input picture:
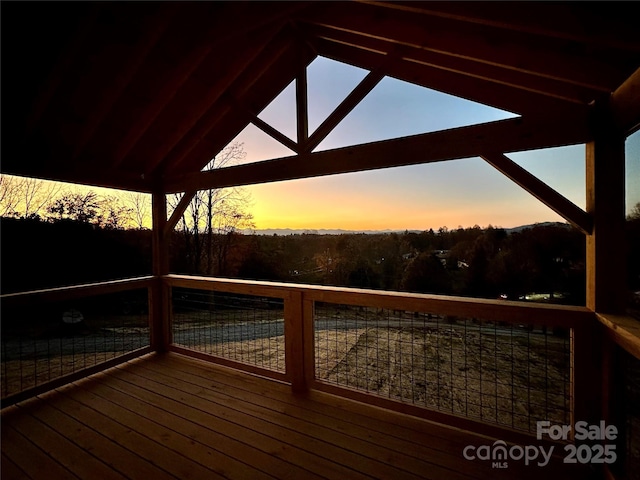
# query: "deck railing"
(53, 336)
(460, 360)
(488, 365)
(621, 344)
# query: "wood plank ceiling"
(142, 95)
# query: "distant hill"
(532, 225)
(293, 231)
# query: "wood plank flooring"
(169, 416)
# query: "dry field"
(511, 377)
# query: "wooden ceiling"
(141, 95)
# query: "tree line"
(66, 238)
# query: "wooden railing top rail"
(623, 330)
(77, 291)
(487, 309)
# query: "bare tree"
(37, 195)
(25, 197)
(213, 217)
(10, 194)
(140, 206)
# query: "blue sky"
(456, 193)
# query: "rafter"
(154, 27)
(184, 64)
(543, 192)
(625, 104)
(220, 125)
(187, 62)
(515, 50)
(224, 70)
(507, 135)
(273, 54)
(558, 21)
(59, 72)
(462, 66)
(504, 97)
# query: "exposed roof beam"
(153, 28)
(504, 97)
(61, 68)
(511, 49)
(625, 104)
(219, 31)
(543, 192)
(483, 71)
(219, 126)
(546, 20)
(507, 135)
(186, 113)
(227, 102)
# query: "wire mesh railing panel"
(509, 375)
(42, 341)
(242, 328)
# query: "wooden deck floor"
(170, 416)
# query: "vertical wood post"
(605, 266)
(160, 301)
(606, 249)
(302, 109)
(586, 389)
(308, 316)
(294, 340)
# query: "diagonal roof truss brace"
(543, 192)
(487, 141)
(305, 142)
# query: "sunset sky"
(463, 192)
(456, 193)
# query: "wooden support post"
(301, 108)
(308, 316)
(586, 390)
(160, 299)
(605, 264)
(606, 248)
(294, 340)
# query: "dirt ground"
(508, 377)
(512, 378)
(467, 374)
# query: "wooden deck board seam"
(285, 435)
(172, 442)
(374, 453)
(133, 400)
(186, 408)
(153, 451)
(365, 435)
